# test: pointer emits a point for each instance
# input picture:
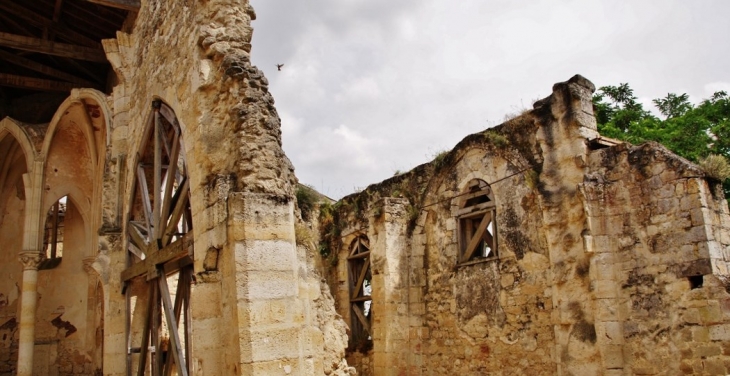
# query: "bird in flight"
(278, 66)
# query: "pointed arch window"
(53, 234)
(477, 223)
(360, 281)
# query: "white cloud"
(714, 87)
(369, 87)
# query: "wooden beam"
(131, 5)
(41, 68)
(477, 238)
(358, 286)
(35, 19)
(33, 83)
(176, 345)
(52, 48)
(10, 21)
(99, 78)
(174, 251)
(361, 317)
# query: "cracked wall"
(611, 258)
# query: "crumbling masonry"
(150, 226)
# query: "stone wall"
(258, 306)
(610, 260)
(259, 309)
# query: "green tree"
(693, 132)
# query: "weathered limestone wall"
(12, 205)
(62, 159)
(194, 56)
(258, 305)
(601, 247)
(653, 223)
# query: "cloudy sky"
(371, 87)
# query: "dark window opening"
(696, 281)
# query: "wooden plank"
(169, 114)
(170, 177)
(138, 239)
(361, 279)
(146, 331)
(130, 5)
(476, 208)
(10, 21)
(355, 246)
(97, 77)
(136, 251)
(359, 299)
(52, 48)
(157, 180)
(188, 322)
(24, 82)
(36, 19)
(44, 69)
(174, 251)
(359, 255)
(155, 333)
(361, 317)
(172, 327)
(180, 202)
(144, 193)
(477, 237)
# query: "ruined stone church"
(150, 224)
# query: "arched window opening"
(361, 288)
(53, 234)
(477, 223)
(160, 251)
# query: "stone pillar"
(28, 302)
(389, 255)
(269, 307)
(108, 264)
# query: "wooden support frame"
(477, 226)
(359, 270)
(160, 230)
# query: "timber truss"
(55, 45)
(160, 251)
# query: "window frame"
(477, 204)
(359, 267)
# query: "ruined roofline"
(508, 134)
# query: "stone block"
(270, 343)
(254, 285)
(265, 255)
(613, 356)
(605, 289)
(607, 310)
(715, 367)
(710, 315)
(720, 332)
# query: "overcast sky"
(371, 87)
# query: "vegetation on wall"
(697, 132)
(307, 199)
